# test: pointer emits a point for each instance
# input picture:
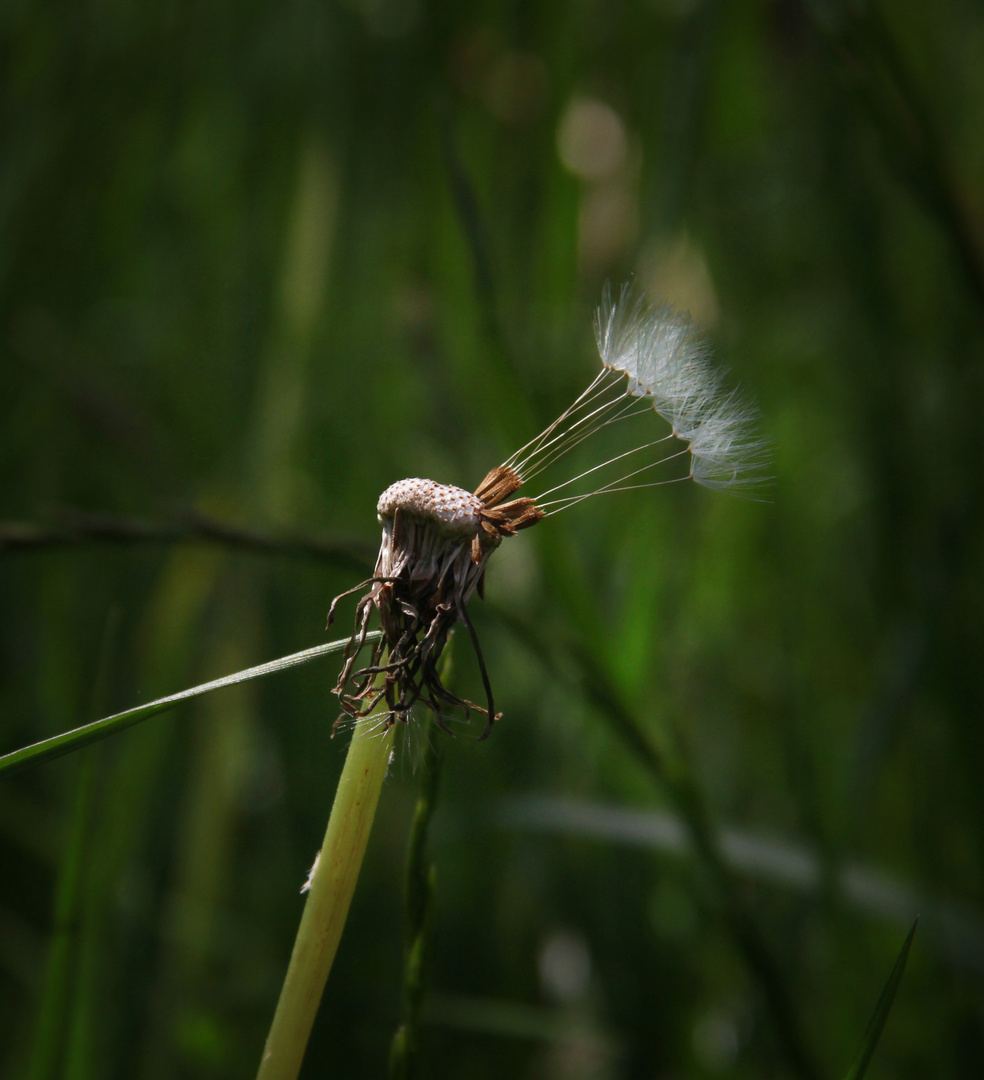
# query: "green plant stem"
(57, 1003)
(331, 887)
(419, 904)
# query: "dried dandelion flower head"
(437, 539)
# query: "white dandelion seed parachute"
(659, 351)
(652, 358)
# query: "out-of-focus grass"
(258, 264)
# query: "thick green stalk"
(331, 888)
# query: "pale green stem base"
(332, 884)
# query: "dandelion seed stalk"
(329, 895)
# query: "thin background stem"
(419, 907)
(73, 528)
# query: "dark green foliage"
(257, 262)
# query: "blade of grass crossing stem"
(877, 1022)
(57, 745)
(330, 890)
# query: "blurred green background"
(257, 262)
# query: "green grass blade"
(48, 749)
(877, 1022)
(59, 987)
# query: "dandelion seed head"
(437, 538)
(436, 542)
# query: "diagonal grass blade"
(48, 749)
(877, 1022)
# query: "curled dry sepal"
(437, 539)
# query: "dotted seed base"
(452, 508)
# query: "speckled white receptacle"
(452, 509)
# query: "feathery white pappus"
(652, 358)
(659, 351)
(437, 539)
